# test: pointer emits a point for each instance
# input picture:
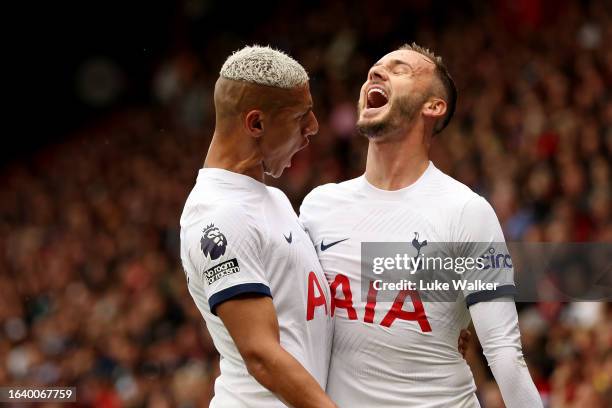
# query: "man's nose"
(377, 73)
(313, 126)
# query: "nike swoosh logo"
(331, 244)
(289, 238)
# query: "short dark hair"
(442, 74)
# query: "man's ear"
(435, 108)
(254, 123)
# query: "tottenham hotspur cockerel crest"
(213, 242)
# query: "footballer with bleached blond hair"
(251, 268)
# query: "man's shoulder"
(332, 191)
(325, 198)
(466, 211)
(279, 195)
(218, 209)
(215, 185)
(448, 192)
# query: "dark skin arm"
(253, 325)
(464, 341)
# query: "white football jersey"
(240, 236)
(401, 352)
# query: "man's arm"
(496, 325)
(493, 312)
(463, 342)
(252, 323)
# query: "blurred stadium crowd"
(92, 293)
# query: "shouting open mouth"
(377, 98)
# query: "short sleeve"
(481, 239)
(222, 247)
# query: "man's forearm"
(282, 374)
(496, 325)
(252, 323)
(515, 383)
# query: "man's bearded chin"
(403, 113)
(373, 130)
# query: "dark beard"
(373, 130)
(405, 111)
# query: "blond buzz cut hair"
(264, 66)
